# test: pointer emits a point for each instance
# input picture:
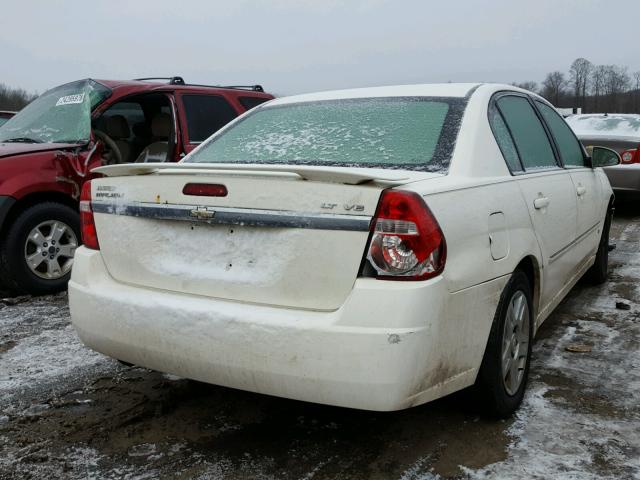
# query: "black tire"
(497, 401)
(598, 273)
(14, 270)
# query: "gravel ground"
(67, 412)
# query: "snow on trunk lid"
(272, 240)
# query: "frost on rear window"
(403, 133)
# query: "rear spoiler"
(350, 176)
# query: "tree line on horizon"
(14, 99)
(594, 88)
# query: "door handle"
(541, 202)
(581, 191)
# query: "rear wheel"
(36, 254)
(598, 273)
(505, 367)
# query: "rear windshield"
(417, 133)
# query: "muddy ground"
(67, 412)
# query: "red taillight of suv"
(406, 240)
(87, 224)
(631, 156)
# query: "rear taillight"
(406, 240)
(87, 224)
(631, 156)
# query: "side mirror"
(603, 157)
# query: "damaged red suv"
(47, 151)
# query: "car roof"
(450, 90)
(150, 85)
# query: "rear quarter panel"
(463, 215)
(475, 280)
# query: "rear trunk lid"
(282, 236)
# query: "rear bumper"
(383, 350)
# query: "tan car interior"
(140, 127)
(160, 131)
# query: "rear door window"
(206, 114)
(504, 140)
(528, 134)
(568, 145)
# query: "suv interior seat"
(159, 149)
(117, 128)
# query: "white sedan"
(374, 248)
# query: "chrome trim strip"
(237, 216)
(566, 248)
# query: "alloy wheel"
(49, 249)
(515, 342)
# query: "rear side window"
(249, 102)
(528, 133)
(504, 140)
(206, 114)
(570, 149)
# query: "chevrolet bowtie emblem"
(203, 212)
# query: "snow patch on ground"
(43, 359)
(554, 441)
(47, 360)
(417, 471)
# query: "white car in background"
(373, 248)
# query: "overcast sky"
(293, 46)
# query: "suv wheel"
(37, 252)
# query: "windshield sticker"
(70, 99)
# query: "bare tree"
(616, 82)
(595, 88)
(579, 78)
(598, 75)
(553, 87)
(617, 79)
